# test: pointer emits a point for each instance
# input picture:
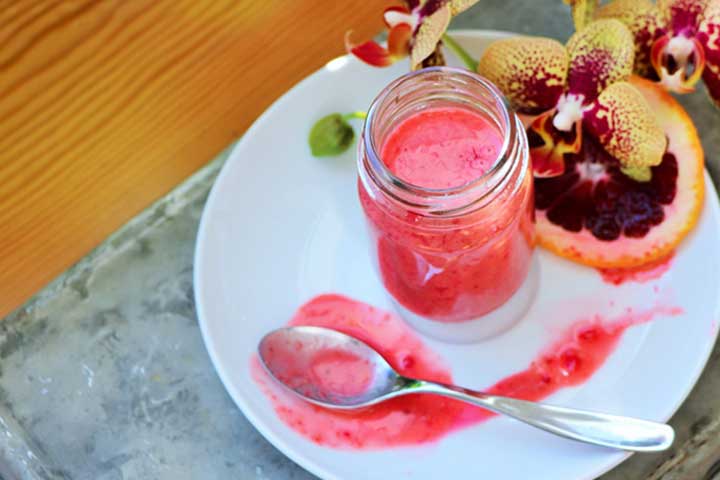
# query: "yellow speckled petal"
(623, 122)
(709, 37)
(583, 12)
(682, 14)
(459, 6)
(600, 54)
(645, 22)
(530, 71)
(428, 35)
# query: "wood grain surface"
(105, 105)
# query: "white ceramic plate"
(281, 226)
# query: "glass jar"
(454, 260)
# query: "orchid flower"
(577, 89)
(414, 30)
(676, 41)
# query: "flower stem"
(358, 114)
(460, 52)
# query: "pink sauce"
(642, 274)
(402, 421)
(451, 269)
(339, 372)
(442, 148)
(415, 419)
(575, 356)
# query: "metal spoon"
(290, 354)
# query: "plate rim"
(198, 285)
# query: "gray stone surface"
(104, 375)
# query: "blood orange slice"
(594, 214)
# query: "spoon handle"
(625, 433)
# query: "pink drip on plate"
(646, 273)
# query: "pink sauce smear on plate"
(416, 419)
(642, 274)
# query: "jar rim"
(389, 178)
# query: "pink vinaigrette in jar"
(446, 187)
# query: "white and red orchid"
(414, 30)
(677, 42)
(578, 89)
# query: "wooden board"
(105, 105)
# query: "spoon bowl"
(298, 357)
(334, 370)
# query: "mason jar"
(454, 260)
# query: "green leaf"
(331, 135)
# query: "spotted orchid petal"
(683, 16)
(622, 121)
(376, 55)
(679, 62)
(459, 6)
(583, 12)
(548, 145)
(399, 41)
(709, 37)
(395, 15)
(530, 71)
(600, 54)
(369, 52)
(429, 33)
(428, 7)
(644, 20)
